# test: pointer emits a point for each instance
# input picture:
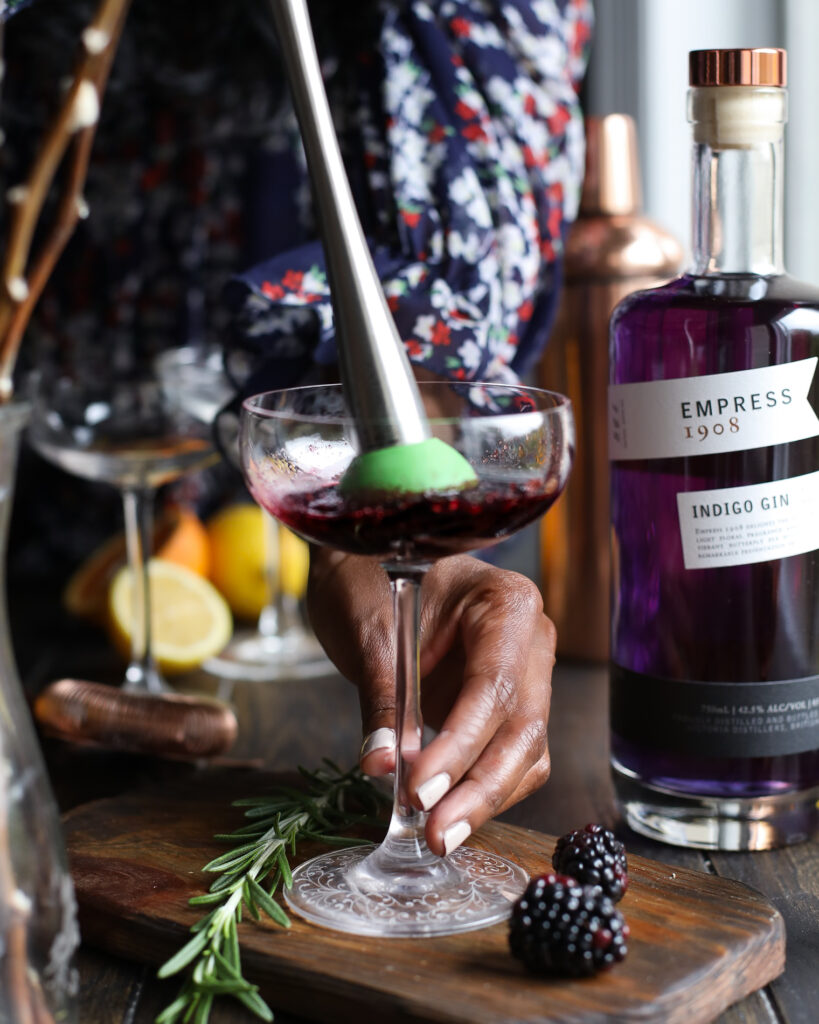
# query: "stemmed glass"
(281, 647)
(296, 445)
(121, 430)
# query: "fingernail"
(431, 791)
(380, 739)
(455, 835)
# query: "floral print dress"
(466, 158)
(460, 126)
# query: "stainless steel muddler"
(380, 389)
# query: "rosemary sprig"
(250, 873)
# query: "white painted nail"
(455, 835)
(380, 739)
(431, 791)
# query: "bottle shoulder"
(722, 296)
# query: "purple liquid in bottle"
(746, 623)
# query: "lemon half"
(190, 620)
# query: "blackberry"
(593, 856)
(561, 927)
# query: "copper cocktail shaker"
(611, 251)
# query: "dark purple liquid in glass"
(415, 527)
(745, 623)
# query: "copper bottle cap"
(612, 181)
(765, 65)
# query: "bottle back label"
(755, 523)
(703, 719)
(720, 412)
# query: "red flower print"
(523, 403)
(393, 302)
(411, 217)
(555, 195)
(464, 111)
(440, 334)
(292, 280)
(460, 26)
(414, 347)
(153, 176)
(581, 37)
(529, 104)
(437, 134)
(557, 122)
(526, 310)
(272, 291)
(473, 132)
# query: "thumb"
(376, 695)
(350, 610)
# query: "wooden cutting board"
(698, 942)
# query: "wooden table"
(285, 724)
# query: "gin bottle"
(714, 449)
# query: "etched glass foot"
(345, 890)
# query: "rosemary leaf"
(206, 900)
(172, 1012)
(277, 823)
(270, 907)
(185, 955)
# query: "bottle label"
(755, 523)
(770, 719)
(720, 412)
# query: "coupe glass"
(281, 646)
(122, 431)
(296, 445)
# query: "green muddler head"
(430, 465)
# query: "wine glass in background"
(281, 646)
(121, 430)
(296, 446)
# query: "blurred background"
(639, 67)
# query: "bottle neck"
(738, 180)
(738, 210)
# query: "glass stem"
(142, 673)
(405, 841)
(281, 614)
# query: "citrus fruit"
(240, 543)
(237, 558)
(190, 620)
(187, 542)
(295, 563)
(179, 536)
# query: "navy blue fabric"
(465, 155)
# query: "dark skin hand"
(486, 659)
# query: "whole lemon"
(295, 563)
(238, 554)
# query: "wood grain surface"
(698, 942)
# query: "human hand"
(486, 658)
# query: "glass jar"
(38, 920)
